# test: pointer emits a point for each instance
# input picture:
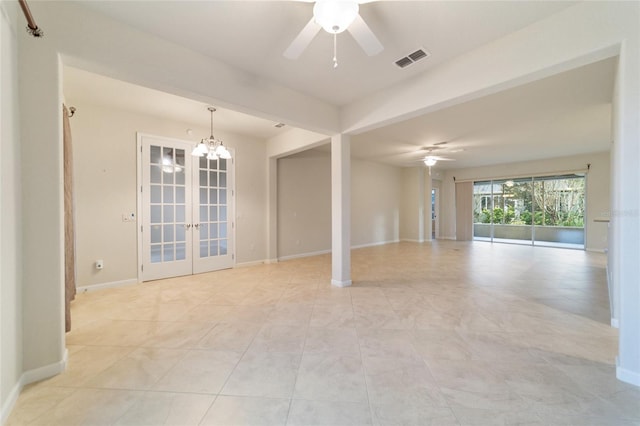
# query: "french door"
(185, 210)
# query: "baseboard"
(337, 283)
(113, 284)
(32, 376)
(41, 373)
(409, 240)
(615, 323)
(12, 398)
(270, 261)
(301, 255)
(252, 263)
(381, 243)
(596, 250)
(628, 376)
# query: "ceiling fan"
(430, 160)
(335, 16)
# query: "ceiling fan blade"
(365, 37)
(302, 40)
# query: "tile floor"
(445, 333)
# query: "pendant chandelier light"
(211, 147)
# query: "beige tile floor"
(429, 334)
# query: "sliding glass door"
(536, 210)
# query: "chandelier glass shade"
(211, 147)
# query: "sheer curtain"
(464, 211)
(69, 222)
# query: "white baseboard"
(381, 243)
(8, 405)
(270, 261)
(102, 286)
(28, 377)
(628, 376)
(409, 240)
(41, 373)
(252, 263)
(596, 250)
(337, 283)
(301, 255)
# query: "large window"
(538, 210)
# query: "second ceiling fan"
(335, 16)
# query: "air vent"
(417, 55)
(404, 62)
(412, 58)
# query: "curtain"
(464, 211)
(69, 222)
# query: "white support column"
(340, 211)
(626, 212)
(272, 210)
(421, 205)
(428, 221)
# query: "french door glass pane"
(167, 203)
(213, 207)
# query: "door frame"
(139, 206)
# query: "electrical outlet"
(128, 217)
(99, 264)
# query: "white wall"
(410, 210)
(598, 200)
(10, 208)
(304, 203)
(375, 203)
(104, 145)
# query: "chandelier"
(211, 147)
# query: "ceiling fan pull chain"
(335, 50)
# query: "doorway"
(185, 210)
(435, 221)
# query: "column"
(421, 205)
(428, 221)
(272, 210)
(340, 211)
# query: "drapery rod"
(32, 28)
(528, 175)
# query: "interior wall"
(10, 213)
(409, 210)
(105, 162)
(375, 203)
(304, 203)
(598, 199)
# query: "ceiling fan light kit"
(335, 16)
(430, 161)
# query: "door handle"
(196, 225)
(187, 225)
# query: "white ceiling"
(83, 86)
(252, 35)
(562, 115)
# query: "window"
(537, 210)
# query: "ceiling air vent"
(404, 62)
(412, 57)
